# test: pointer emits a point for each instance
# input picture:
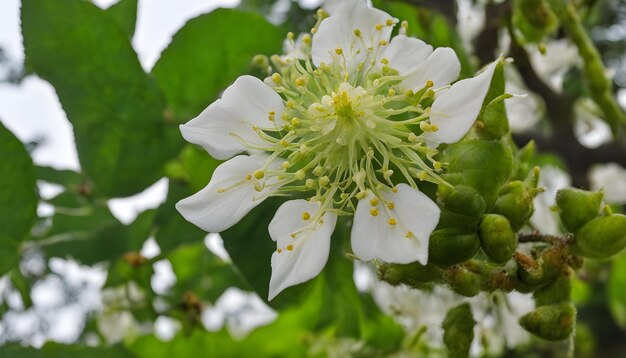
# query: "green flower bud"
(557, 291)
(601, 237)
(413, 274)
(493, 122)
(551, 322)
(576, 207)
(451, 246)
(458, 330)
(463, 281)
(515, 203)
(497, 237)
(534, 19)
(542, 270)
(461, 206)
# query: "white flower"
(350, 116)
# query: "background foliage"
(125, 124)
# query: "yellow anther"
(279, 251)
(277, 78)
(293, 235)
(429, 83)
(318, 171)
(433, 128)
(271, 115)
(255, 128)
(384, 61)
(284, 116)
(360, 195)
(391, 205)
(391, 92)
(422, 176)
(259, 174)
(379, 27)
(404, 24)
(295, 121)
(437, 165)
(394, 189)
(374, 201)
(306, 216)
(290, 104)
(306, 39)
(374, 212)
(300, 81)
(289, 247)
(412, 137)
(392, 221)
(357, 32)
(313, 30)
(382, 42)
(409, 93)
(427, 127)
(310, 183)
(389, 22)
(300, 174)
(338, 51)
(321, 221)
(409, 235)
(290, 35)
(248, 177)
(387, 173)
(283, 143)
(221, 190)
(324, 181)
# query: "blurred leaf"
(23, 286)
(616, 292)
(458, 330)
(9, 254)
(67, 178)
(198, 344)
(58, 350)
(208, 54)
(172, 229)
(122, 134)
(194, 165)
(125, 13)
(201, 272)
(18, 190)
(141, 229)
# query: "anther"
(300, 81)
(391, 92)
(384, 61)
(259, 174)
(357, 32)
(318, 171)
(293, 235)
(391, 205)
(379, 27)
(394, 189)
(437, 165)
(338, 51)
(277, 78)
(360, 195)
(290, 35)
(300, 174)
(374, 201)
(392, 221)
(324, 181)
(387, 173)
(382, 42)
(279, 251)
(271, 115)
(310, 183)
(306, 216)
(389, 22)
(248, 177)
(422, 176)
(412, 137)
(409, 235)
(295, 121)
(289, 247)
(306, 39)
(284, 143)
(429, 83)
(374, 212)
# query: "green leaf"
(172, 229)
(122, 134)
(67, 178)
(125, 13)
(458, 330)
(18, 189)
(58, 350)
(616, 292)
(208, 54)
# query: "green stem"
(600, 87)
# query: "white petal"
(441, 67)
(455, 109)
(337, 31)
(303, 257)
(415, 215)
(244, 104)
(216, 211)
(405, 53)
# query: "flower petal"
(455, 109)
(244, 104)
(441, 67)
(405, 53)
(301, 258)
(397, 234)
(215, 210)
(337, 31)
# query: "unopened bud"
(497, 237)
(551, 322)
(576, 207)
(601, 237)
(451, 246)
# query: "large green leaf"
(18, 190)
(122, 133)
(57, 350)
(125, 13)
(208, 54)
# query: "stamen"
(306, 216)
(392, 222)
(374, 212)
(289, 247)
(374, 201)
